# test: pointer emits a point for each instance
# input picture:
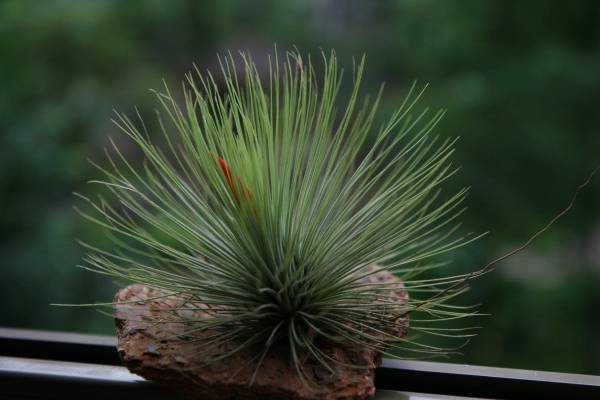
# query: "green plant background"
(521, 81)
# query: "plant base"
(160, 355)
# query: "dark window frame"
(40, 365)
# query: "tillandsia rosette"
(270, 206)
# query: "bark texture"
(159, 355)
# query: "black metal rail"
(59, 346)
(26, 378)
(487, 382)
(51, 365)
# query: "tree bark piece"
(162, 356)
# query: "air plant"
(269, 199)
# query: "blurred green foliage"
(521, 81)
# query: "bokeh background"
(520, 80)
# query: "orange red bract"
(229, 179)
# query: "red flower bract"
(229, 179)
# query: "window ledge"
(55, 365)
